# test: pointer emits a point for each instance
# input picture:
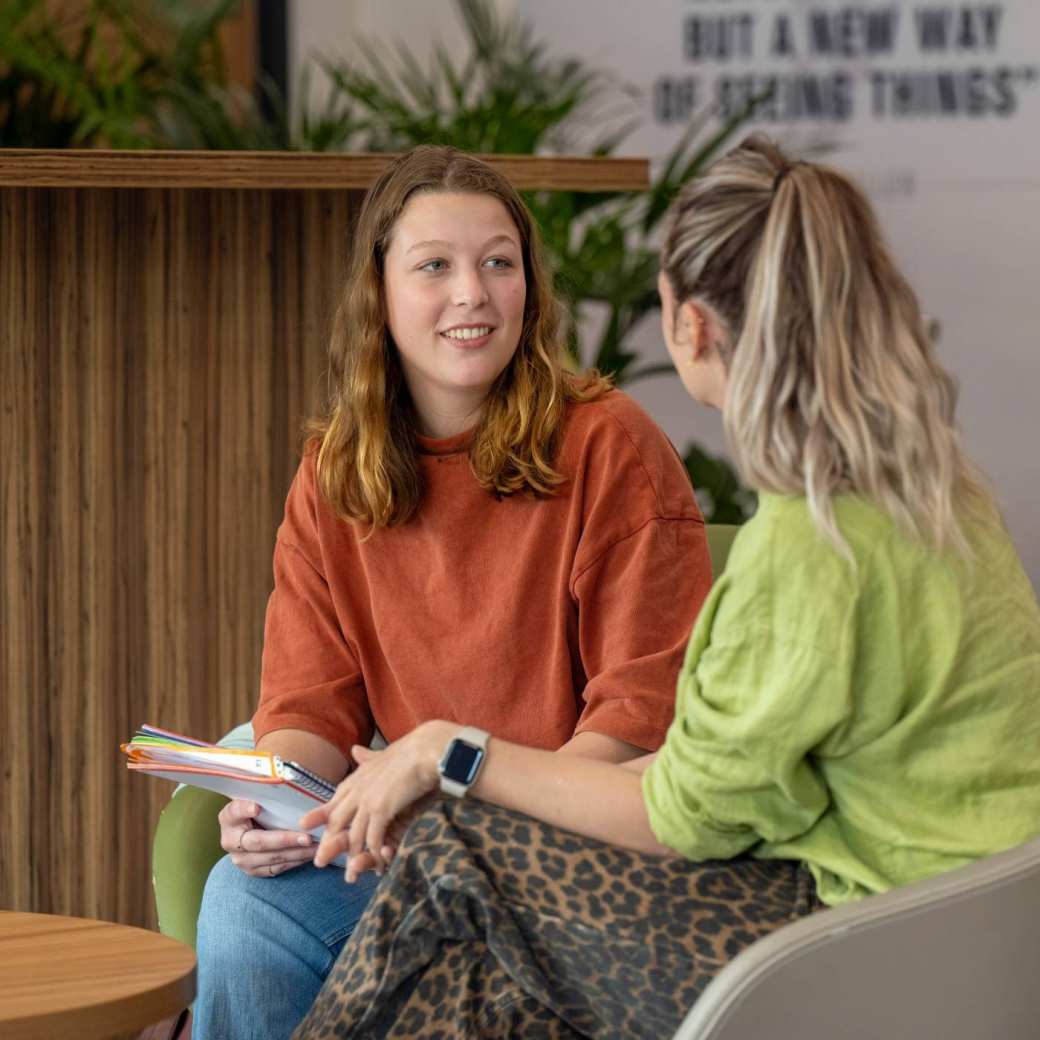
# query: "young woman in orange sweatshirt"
(474, 533)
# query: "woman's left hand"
(361, 814)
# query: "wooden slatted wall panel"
(158, 350)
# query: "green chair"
(185, 848)
(187, 837)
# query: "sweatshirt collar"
(444, 445)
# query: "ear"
(694, 323)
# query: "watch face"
(462, 762)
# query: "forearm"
(599, 799)
(601, 747)
(311, 751)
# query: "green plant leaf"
(720, 495)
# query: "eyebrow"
(436, 242)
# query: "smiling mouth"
(468, 333)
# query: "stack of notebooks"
(284, 791)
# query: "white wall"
(958, 195)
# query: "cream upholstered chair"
(955, 957)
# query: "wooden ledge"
(89, 168)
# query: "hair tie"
(783, 172)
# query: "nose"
(469, 289)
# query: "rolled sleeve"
(736, 767)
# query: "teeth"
(476, 333)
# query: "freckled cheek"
(416, 310)
(515, 299)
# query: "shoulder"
(305, 508)
(612, 441)
(784, 577)
(783, 527)
(304, 486)
(616, 416)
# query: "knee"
(443, 839)
(429, 824)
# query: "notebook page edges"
(185, 772)
(147, 730)
(240, 762)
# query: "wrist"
(435, 737)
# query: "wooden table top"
(68, 976)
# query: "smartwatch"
(462, 759)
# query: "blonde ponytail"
(833, 383)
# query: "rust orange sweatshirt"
(534, 619)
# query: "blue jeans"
(265, 946)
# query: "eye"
(499, 263)
(433, 266)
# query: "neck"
(445, 419)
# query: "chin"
(484, 376)
(485, 369)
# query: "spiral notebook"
(284, 791)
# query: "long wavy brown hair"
(367, 458)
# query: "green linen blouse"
(877, 719)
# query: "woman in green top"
(859, 707)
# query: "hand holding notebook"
(284, 791)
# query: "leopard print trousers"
(491, 924)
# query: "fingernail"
(254, 809)
(303, 839)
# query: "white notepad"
(284, 791)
